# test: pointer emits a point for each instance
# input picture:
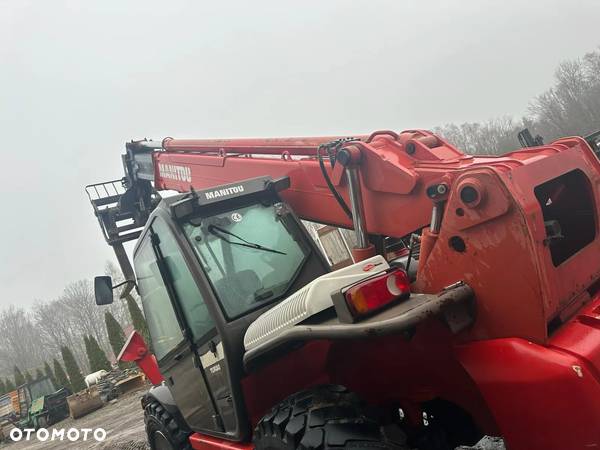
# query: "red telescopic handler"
(468, 316)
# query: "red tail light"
(368, 296)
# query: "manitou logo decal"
(224, 192)
(177, 173)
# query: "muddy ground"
(122, 420)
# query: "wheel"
(325, 418)
(164, 433)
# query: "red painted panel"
(204, 442)
(541, 398)
(135, 349)
(580, 337)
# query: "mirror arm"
(131, 284)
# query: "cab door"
(212, 360)
(171, 340)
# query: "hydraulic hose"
(330, 185)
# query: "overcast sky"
(79, 78)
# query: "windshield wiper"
(212, 229)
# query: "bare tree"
(493, 137)
(67, 319)
(572, 105)
(52, 325)
(20, 344)
(77, 303)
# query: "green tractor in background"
(40, 404)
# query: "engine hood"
(308, 301)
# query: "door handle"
(179, 356)
(212, 347)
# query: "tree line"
(65, 338)
(570, 107)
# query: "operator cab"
(207, 264)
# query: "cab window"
(249, 255)
(162, 323)
(188, 295)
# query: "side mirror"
(103, 290)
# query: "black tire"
(326, 418)
(164, 433)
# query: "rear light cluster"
(371, 295)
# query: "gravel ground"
(122, 420)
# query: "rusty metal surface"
(397, 319)
(130, 384)
(84, 402)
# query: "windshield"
(40, 388)
(248, 254)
